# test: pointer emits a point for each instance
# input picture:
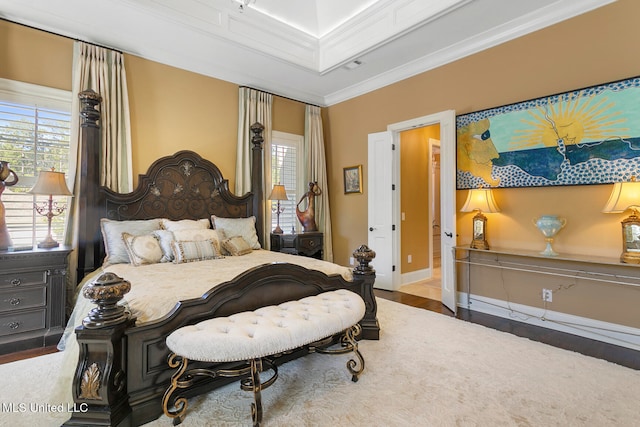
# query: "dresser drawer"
(20, 299)
(309, 243)
(17, 323)
(26, 278)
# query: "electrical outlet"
(351, 261)
(409, 259)
(547, 295)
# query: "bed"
(122, 368)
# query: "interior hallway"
(428, 288)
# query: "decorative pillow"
(236, 246)
(187, 251)
(165, 237)
(143, 249)
(245, 227)
(185, 224)
(196, 235)
(112, 236)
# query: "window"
(285, 167)
(35, 126)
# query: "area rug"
(427, 369)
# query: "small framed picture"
(353, 179)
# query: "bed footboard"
(122, 370)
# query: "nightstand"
(307, 244)
(32, 298)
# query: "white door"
(448, 207)
(383, 170)
(380, 207)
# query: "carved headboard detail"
(182, 186)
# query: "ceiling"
(317, 51)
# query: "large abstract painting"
(587, 136)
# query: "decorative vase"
(549, 226)
(5, 172)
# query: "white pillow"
(185, 224)
(114, 246)
(165, 237)
(245, 227)
(188, 251)
(143, 249)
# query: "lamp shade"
(480, 199)
(624, 195)
(278, 193)
(51, 183)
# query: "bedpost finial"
(106, 291)
(88, 102)
(257, 137)
(364, 255)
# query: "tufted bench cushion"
(268, 330)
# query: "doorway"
(420, 212)
(384, 203)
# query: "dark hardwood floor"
(613, 353)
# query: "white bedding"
(156, 288)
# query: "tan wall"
(594, 48)
(415, 184)
(171, 109)
(565, 56)
(36, 57)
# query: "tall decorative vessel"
(549, 226)
(5, 172)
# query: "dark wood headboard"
(181, 186)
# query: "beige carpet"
(426, 370)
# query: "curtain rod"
(281, 96)
(61, 35)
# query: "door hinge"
(393, 227)
(393, 147)
(393, 187)
(393, 268)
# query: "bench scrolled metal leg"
(180, 403)
(348, 343)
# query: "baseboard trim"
(611, 333)
(416, 276)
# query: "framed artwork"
(352, 179)
(586, 136)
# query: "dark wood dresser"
(307, 244)
(32, 298)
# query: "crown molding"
(541, 18)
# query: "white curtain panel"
(103, 71)
(253, 106)
(316, 170)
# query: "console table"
(584, 267)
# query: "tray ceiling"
(317, 51)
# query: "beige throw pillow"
(236, 246)
(143, 249)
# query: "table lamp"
(278, 193)
(50, 183)
(481, 200)
(624, 196)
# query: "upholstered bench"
(257, 336)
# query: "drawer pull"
(14, 325)
(16, 282)
(14, 301)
